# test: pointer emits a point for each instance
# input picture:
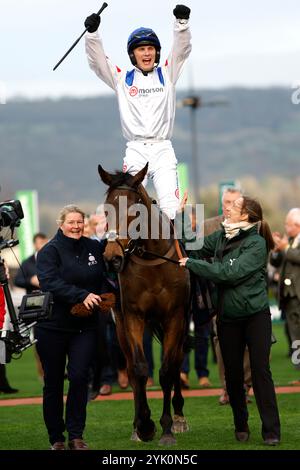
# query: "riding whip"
(77, 40)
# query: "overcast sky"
(235, 42)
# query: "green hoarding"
(30, 224)
(183, 178)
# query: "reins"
(153, 262)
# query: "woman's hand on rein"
(182, 262)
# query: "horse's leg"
(126, 351)
(144, 427)
(179, 421)
(168, 374)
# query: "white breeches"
(162, 170)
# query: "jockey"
(146, 97)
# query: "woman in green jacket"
(239, 252)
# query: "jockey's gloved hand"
(181, 12)
(92, 23)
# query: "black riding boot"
(4, 385)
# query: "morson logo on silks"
(133, 91)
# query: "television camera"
(34, 307)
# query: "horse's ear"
(105, 176)
(139, 177)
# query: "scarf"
(232, 230)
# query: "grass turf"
(109, 423)
(22, 373)
(109, 426)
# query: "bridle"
(134, 249)
(112, 236)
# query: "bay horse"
(154, 293)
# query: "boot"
(4, 385)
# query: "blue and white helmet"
(143, 36)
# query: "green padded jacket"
(240, 273)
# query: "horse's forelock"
(120, 179)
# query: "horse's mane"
(144, 194)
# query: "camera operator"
(16, 338)
(26, 278)
(71, 267)
(4, 385)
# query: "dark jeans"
(202, 336)
(54, 347)
(109, 357)
(254, 331)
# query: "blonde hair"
(67, 210)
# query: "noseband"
(112, 236)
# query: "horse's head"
(123, 191)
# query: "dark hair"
(39, 235)
(253, 209)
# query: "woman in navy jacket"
(71, 267)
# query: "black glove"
(182, 12)
(92, 23)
